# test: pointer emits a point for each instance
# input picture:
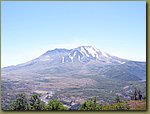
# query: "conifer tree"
(21, 103)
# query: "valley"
(74, 76)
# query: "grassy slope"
(137, 105)
(127, 105)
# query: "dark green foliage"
(21, 103)
(137, 95)
(55, 105)
(36, 103)
(91, 105)
(118, 99)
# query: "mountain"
(74, 75)
(82, 54)
(81, 61)
(130, 70)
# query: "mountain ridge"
(86, 53)
(80, 60)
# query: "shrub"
(55, 105)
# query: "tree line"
(34, 103)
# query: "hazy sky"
(29, 29)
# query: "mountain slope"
(82, 60)
(128, 71)
(75, 75)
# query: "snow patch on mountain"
(104, 54)
(79, 58)
(83, 51)
(74, 54)
(45, 58)
(123, 62)
(92, 51)
(71, 58)
(63, 59)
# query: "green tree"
(36, 103)
(135, 94)
(55, 105)
(21, 103)
(91, 105)
(117, 99)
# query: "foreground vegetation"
(104, 89)
(92, 105)
(34, 103)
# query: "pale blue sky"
(29, 29)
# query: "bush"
(55, 105)
(21, 103)
(91, 105)
(36, 103)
